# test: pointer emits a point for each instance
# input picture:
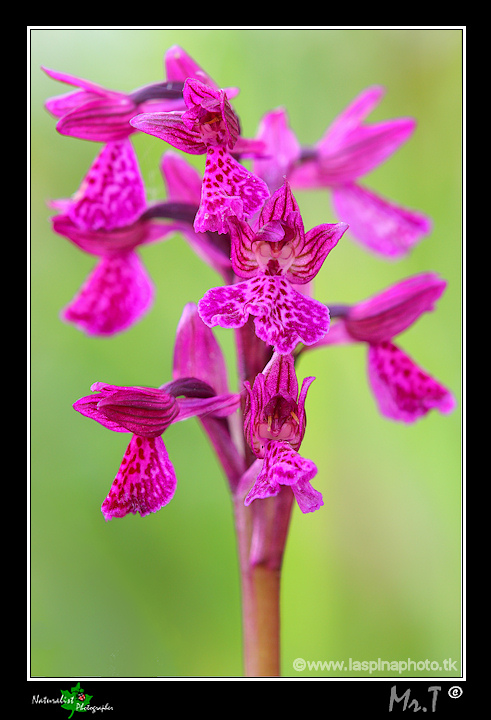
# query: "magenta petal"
(283, 316)
(319, 241)
(182, 180)
(112, 194)
(170, 127)
(225, 306)
(103, 119)
(88, 407)
(282, 148)
(280, 206)
(228, 189)
(202, 99)
(146, 412)
(114, 296)
(281, 241)
(390, 312)
(349, 148)
(75, 81)
(197, 352)
(61, 105)
(145, 481)
(284, 466)
(242, 255)
(403, 390)
(215, 406)
(351, 117)
(181, 66)
(113, 242)
(376, 223)
(91, 113)
(363, 150)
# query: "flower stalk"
(262, 530)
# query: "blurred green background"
(376, 573)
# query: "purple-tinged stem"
(261, 530)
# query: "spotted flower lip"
(403, 390)
(145, 482)
(273, 257)
(112, 193)
(283, 466)
(105, 218)
(274, 425)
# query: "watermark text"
(378, 665)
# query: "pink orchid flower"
(273, 258)
(146, 480)
(106, 218)
(274, 424)
(348, 150)
(210, 126)
(95, 113)
(403, 391)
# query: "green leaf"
(72, 702)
